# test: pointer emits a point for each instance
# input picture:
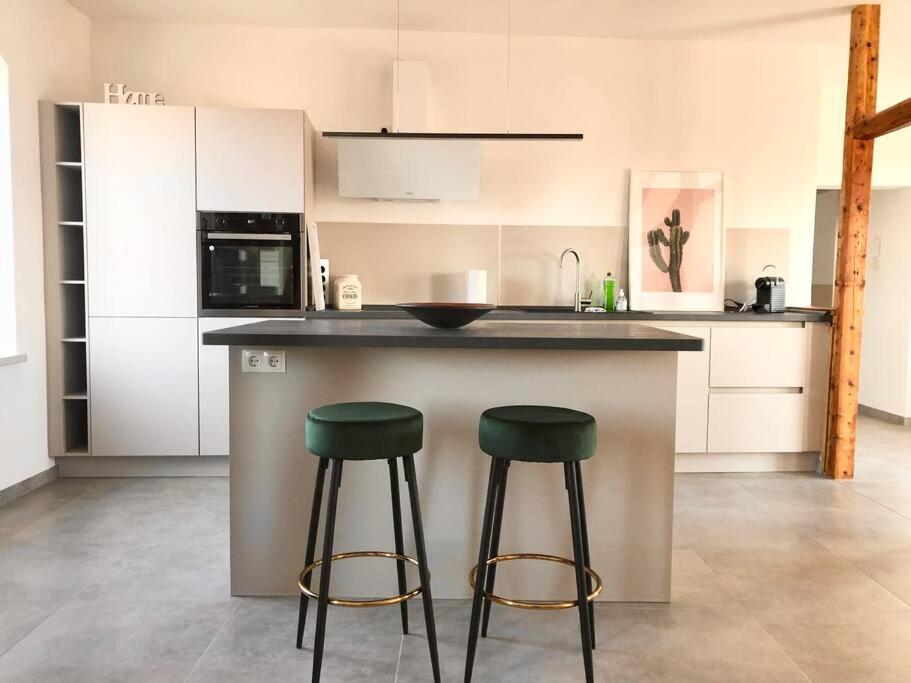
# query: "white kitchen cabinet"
(692, 392)
(140, 198)
(756, 423)
(756, 356)
(213, 388)
(250, 160)
(144, 386)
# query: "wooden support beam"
(851, 260)
(886, 121)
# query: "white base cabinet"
(693, 392)
(213, 388)
(144, 384)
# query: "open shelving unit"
(63, 186)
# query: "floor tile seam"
(720, 582)
(398, 659)
(847, 559)
(51, 512)
(3, 653)
(873, 500)
(781, 648)
(212, 641)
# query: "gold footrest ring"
(536, 604)
(349, 602)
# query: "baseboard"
(746, 462)
(33, 482)
(143, 466)
(884, 416)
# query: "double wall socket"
(259, 360)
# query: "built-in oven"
(250, 264)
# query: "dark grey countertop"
(391, 312)
(478, 335)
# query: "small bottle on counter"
(621, 302)
(347, 293)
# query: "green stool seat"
(537, 434)
(364, 431)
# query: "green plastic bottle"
(610, 292)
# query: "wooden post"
(851, 261)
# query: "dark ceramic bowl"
(447, 316)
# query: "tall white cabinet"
(141, 206)
(140, 180)
(127, 373)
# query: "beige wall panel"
(530, 263)
(399, 263)
(746, 253)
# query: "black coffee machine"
(770, 293)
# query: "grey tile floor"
(777, 577)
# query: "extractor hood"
(408, 168)
(415, 165)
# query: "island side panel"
(628, 483)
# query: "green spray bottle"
(610, 292)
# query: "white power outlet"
(262, 361)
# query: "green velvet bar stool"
(534, 434)
(364, 431)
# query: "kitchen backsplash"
(399, 262)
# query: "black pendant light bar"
(453, 136)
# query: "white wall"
(892, 158)
(45, 44)
(885, 377)
(641, 104)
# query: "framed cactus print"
(676, 241)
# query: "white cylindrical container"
(347, 293)
(476, 285)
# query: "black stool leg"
(311, 545)
(325, 568)
(481, 575)
(586, 553)
(399, 544)
(421, 551)
(495, 543)
(579, 560)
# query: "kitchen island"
(623, 374)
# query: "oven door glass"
(250, 271)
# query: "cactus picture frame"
(676, 241)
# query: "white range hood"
(409, 168)
(415, 165)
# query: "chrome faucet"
(577, 297)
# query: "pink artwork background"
(696, 208)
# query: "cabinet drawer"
(756, 423)
(759, 357)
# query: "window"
(7, 275)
